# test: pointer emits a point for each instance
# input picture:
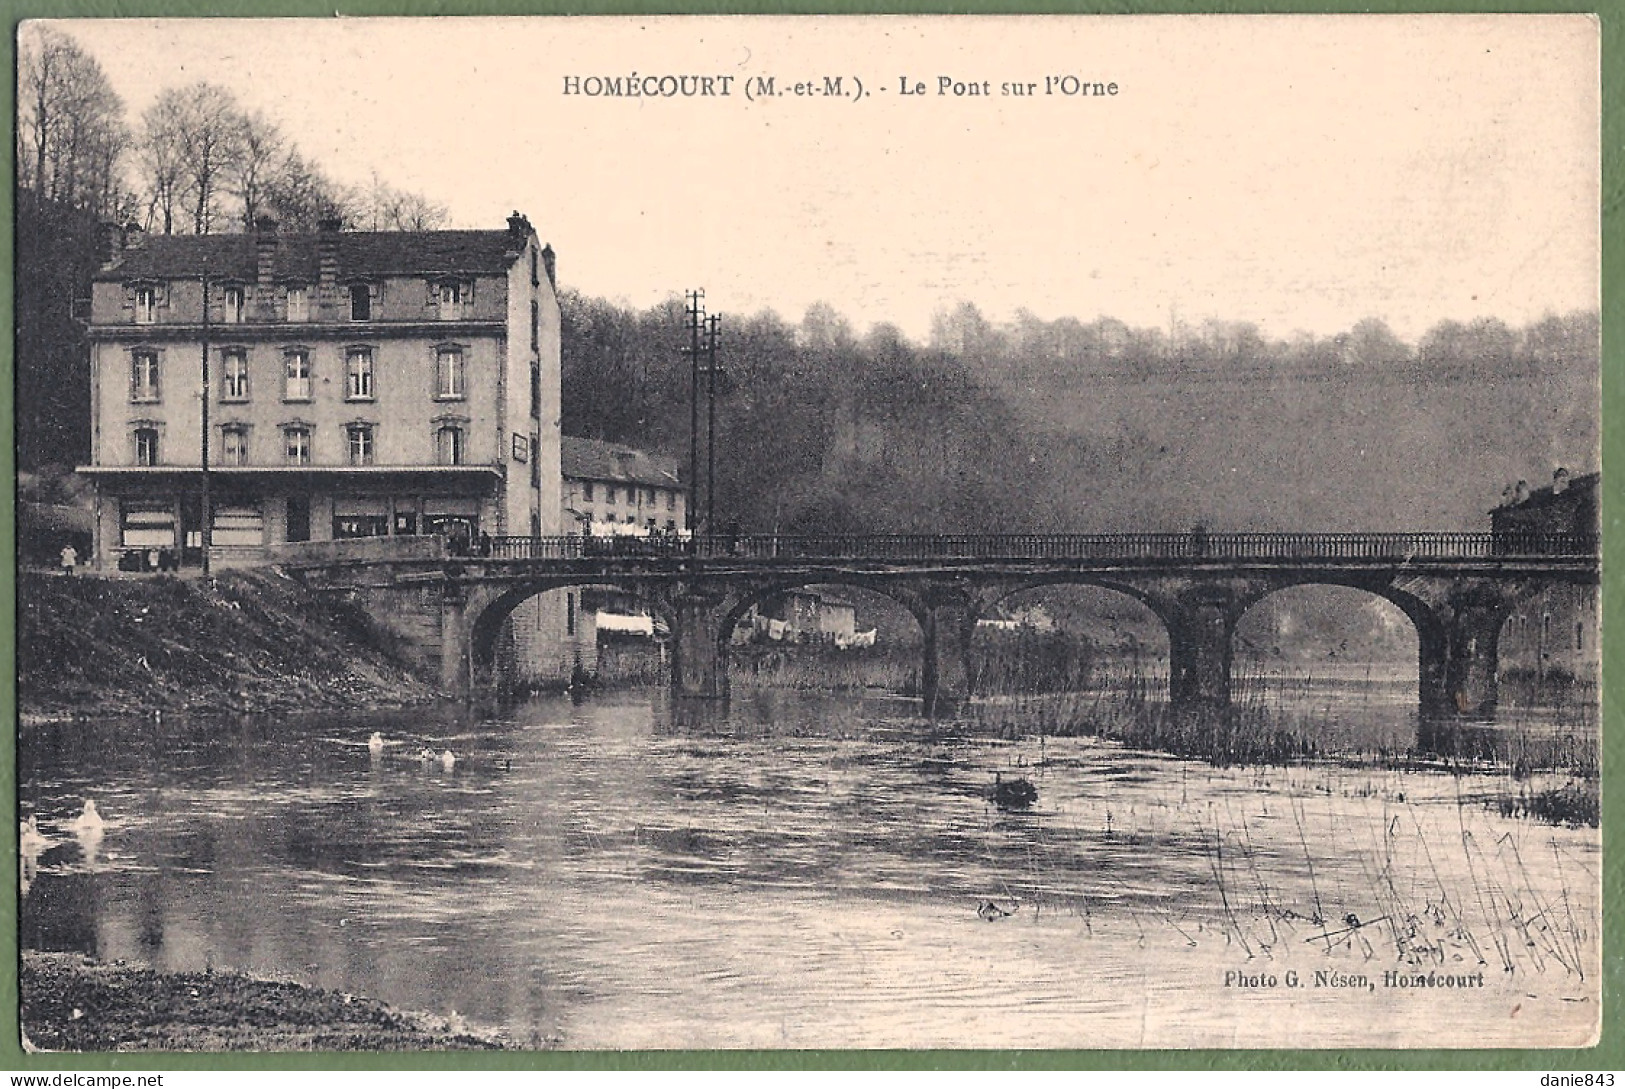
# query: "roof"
(358, 253)
(593, 459)
(1540, 497)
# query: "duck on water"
(1012, 793)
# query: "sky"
(1297, 172)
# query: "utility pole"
(713, 332)
(208, 519)
(696, 318)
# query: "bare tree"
(382, 207)
(71, 132)
(161, 152)
(212, 136)
(260, 152)
(297, 194)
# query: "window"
(609, 495)
(536, 390)
(535, 462)
(234, 444)
(147, 524)
(586, 490)
(146, 305)
(236, 296)
(449, 299)
(238, 527)
(1579, 637)
(360, 302)
(298, 304)
(449, 445)
(535, 326)
(234, 374)
(297, 385)
(671, 500)
(358, 438)
(146, 446)
(449, 378)
(144, 375)
(296, 443)
(671, 525)
(358, 374)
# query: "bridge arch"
(489, 609)
(1148, 602)
(907, 598)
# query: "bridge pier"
(1200, 649)
(699, 661)
(945, 678)
(1471, 668)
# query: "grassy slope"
(70, 1003)
(243, 641)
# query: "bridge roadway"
(449, 600)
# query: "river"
(813, 871)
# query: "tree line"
(195, 161)
(1073, 426)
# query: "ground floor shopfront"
(151, 521)
(154, 519)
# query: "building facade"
(613, 490)
(325, 386)
(1551, 640)
(358, 384)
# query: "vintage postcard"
(822, 532)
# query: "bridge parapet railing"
(1127, 547)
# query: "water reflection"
(793, 870)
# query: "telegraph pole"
(713, 332)
(208, 534)
(696, 318)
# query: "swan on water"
(448, 759)
(30, 840)
(88, 822)
(375, 744)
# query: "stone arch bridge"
(1456, 588)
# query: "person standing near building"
(70, 559)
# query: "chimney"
(327, 248)
(548, 264)
(519, 226)
(1520, 492)
(112, 242)
(265, 250)
(1560, 481)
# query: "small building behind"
(1551, 640)
(614, 490)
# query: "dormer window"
(449, 300)
(360, 302)
(235, 300)
(146, 304)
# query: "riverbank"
(74, 1003)
(241, 641)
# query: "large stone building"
(360, 384)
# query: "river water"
(813, 871)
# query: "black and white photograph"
(825, 532)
